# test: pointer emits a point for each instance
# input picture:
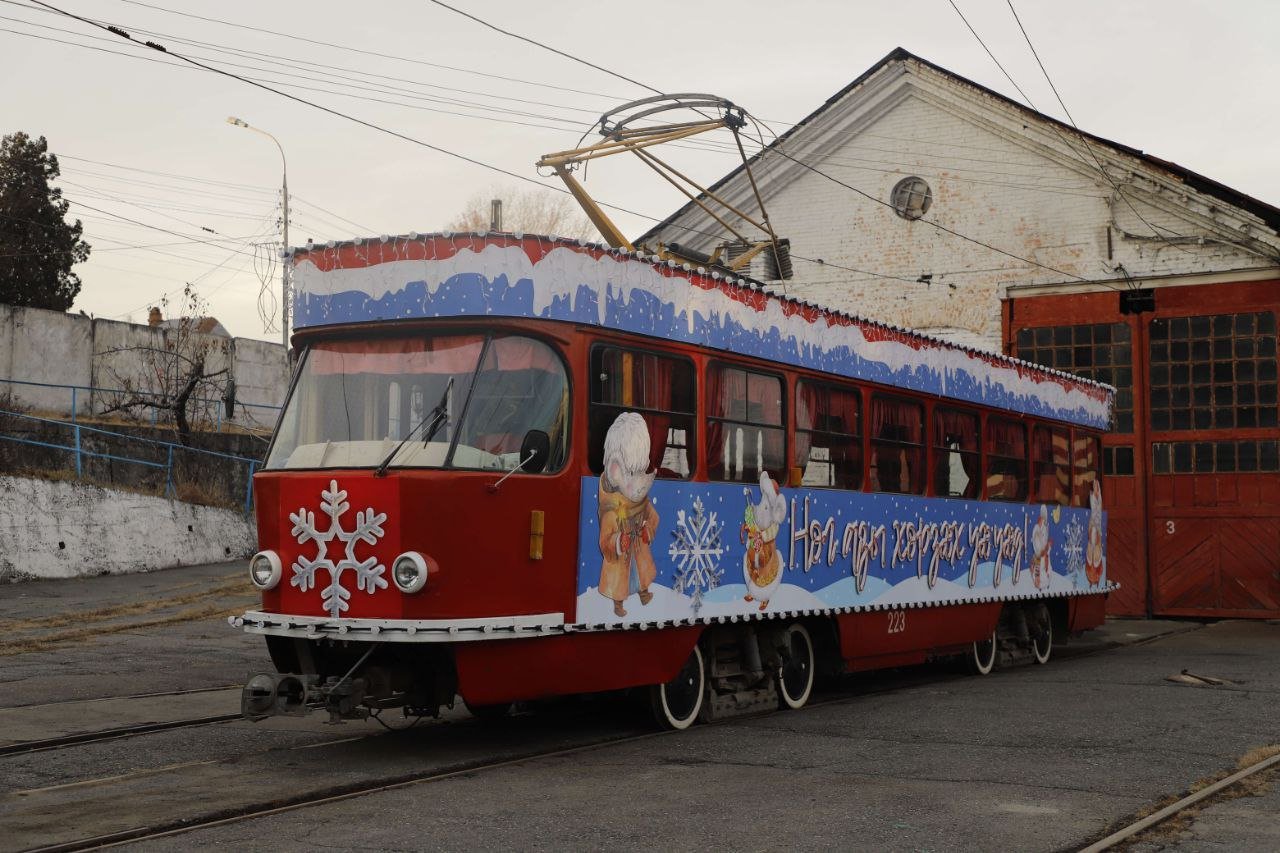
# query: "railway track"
(117, 733)
(1172, 810)
(338, 793)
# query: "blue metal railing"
(218, 405)
(77, 447)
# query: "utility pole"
(284, 235)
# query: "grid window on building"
(1102, 352)
(1213, 372)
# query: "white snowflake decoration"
(696, 552)
(368, 529)
(1074, 549)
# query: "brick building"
(1116, 265)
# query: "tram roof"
(465, 275)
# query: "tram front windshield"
(461, 401)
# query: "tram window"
(1051, 465)
(897, 446)
(745, 426)
(957, 471)
(828, 449)
(1006, 460)
(660, 389)
(1084, 461)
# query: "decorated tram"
(513, 467)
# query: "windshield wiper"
(437, 417)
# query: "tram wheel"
(489, 713)
(795, 676)
(1042, 643)
(982, 657)
(676, 704)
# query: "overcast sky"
(1192, 82)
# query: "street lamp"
(284, 263)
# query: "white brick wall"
(997, 176)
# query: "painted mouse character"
(628, 520)
(1094, 559)
(762, 565)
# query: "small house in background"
(919, 197)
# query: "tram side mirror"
(536, 447)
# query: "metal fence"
(206, 409)
(170, 468)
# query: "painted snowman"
(762, 564)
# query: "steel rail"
(26, 747)
(1174, 808)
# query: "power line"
(1050, 124)
(811, 168)
(198, 64)
(537, 43)
(294, 37)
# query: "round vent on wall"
(911, 198)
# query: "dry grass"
(194, 492)
(231, 585)
(49, 641)
(1171, 828)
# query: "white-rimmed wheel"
(1042, 639)
(795, 676)
(982, 656)
(676, 704)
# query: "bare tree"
(533, 211)
(178, 373)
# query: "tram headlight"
(409, 571)
(264, 569)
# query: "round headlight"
(264, 569)
(409, 571)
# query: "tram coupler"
(270, 694)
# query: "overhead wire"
(1051, 125)
(382, 55)
(776, 147)
(405, 137)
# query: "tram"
(513, 467)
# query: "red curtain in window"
(807, 405)
(1006, 438)
(961, 428)
(896, 420)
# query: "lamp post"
(284, 264)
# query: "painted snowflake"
(1074, 549)
(368, 529)
(696, 552)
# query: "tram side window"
(660, 389)
(1006, 460)
(1051, 465)
(828, 449)
(1084, 462)
(745, 426)
(897, 446)
(955, 441)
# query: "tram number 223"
(897, 621)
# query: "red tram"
(514, 467)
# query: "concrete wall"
(71, 349)
(52, 529)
